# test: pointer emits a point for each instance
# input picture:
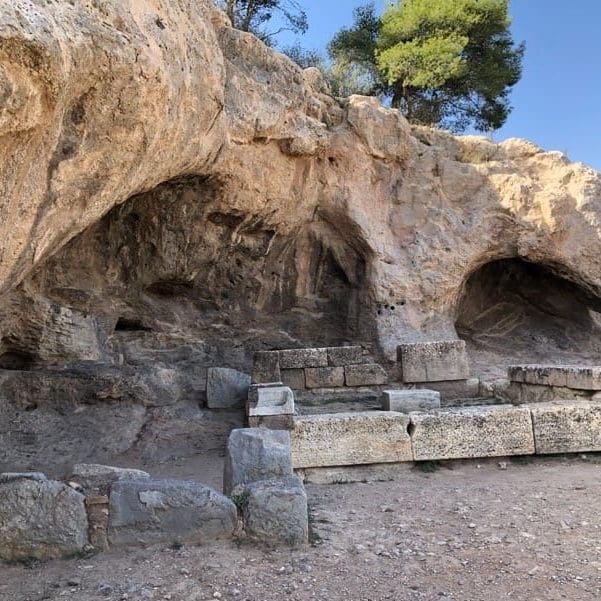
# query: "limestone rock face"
(174, 192)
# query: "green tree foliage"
(254, 16)
(446, 62)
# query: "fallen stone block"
(294, 378)
(301, 358)
(340, 356)
(226, 388)
(272, 399)
(256, 454)
(567, 427)
(406, 401)
(433, 361)
(266, 367)
(168, 511)
(95, 477)
(324, 377)
(350, 439)
(471, 432)
(369, 374)
(41, 520)
(275, 511)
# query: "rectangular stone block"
(339, 356)
(271, 399)
(454, 390)
(567, 427)
(543, 375)
(584, 378)
(561, 376)
(520, 392)
(266, 367)
(304, 357)
(324, 377)
(356, 438)
(369, 374)
(294, 378)
(406, 401)
(472, 432)
(433, 361)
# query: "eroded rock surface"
(174, 196)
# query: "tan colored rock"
(350, 439)
(567, 427)
(472, 432)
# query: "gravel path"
(527, 530)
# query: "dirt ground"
(469, 531)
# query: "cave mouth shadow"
(528, 312)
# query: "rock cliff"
(173, 192)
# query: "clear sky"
(557, 103)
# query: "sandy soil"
(523, 529)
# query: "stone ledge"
(350, 439)
(562, 376)
(472, 432)
(567, 427)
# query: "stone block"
(560, 376)
(266, 367)
(7, 477)
(294, 378)
(272, 422)
(543, 375)
(95, 477)
(304, 357)
(226, 388)
(167, 511)
(42, 520)
(369, 374)
(275, 511)
(471, 432)
(324, 377)
(273, 399)
(453, 390)
(256, 454)
(433, 361)
(567, 427)
(378, 472)
(340, 356)
(406, 401)
(520, 392)
(98, 519)
(355, 438)
(584, 378)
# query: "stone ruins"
(228, 283)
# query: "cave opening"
(527, 313)
(16, 360)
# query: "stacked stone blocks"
(317, 368)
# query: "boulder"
(226, 388)
(275, 511)
(167, 511)
(256, 454)
(41, 520)
(99, 478)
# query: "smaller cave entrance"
(526, 312)
(17, 360)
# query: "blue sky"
(557, 104)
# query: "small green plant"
(240, 501)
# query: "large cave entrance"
(512, 311)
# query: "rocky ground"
(503, 529)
